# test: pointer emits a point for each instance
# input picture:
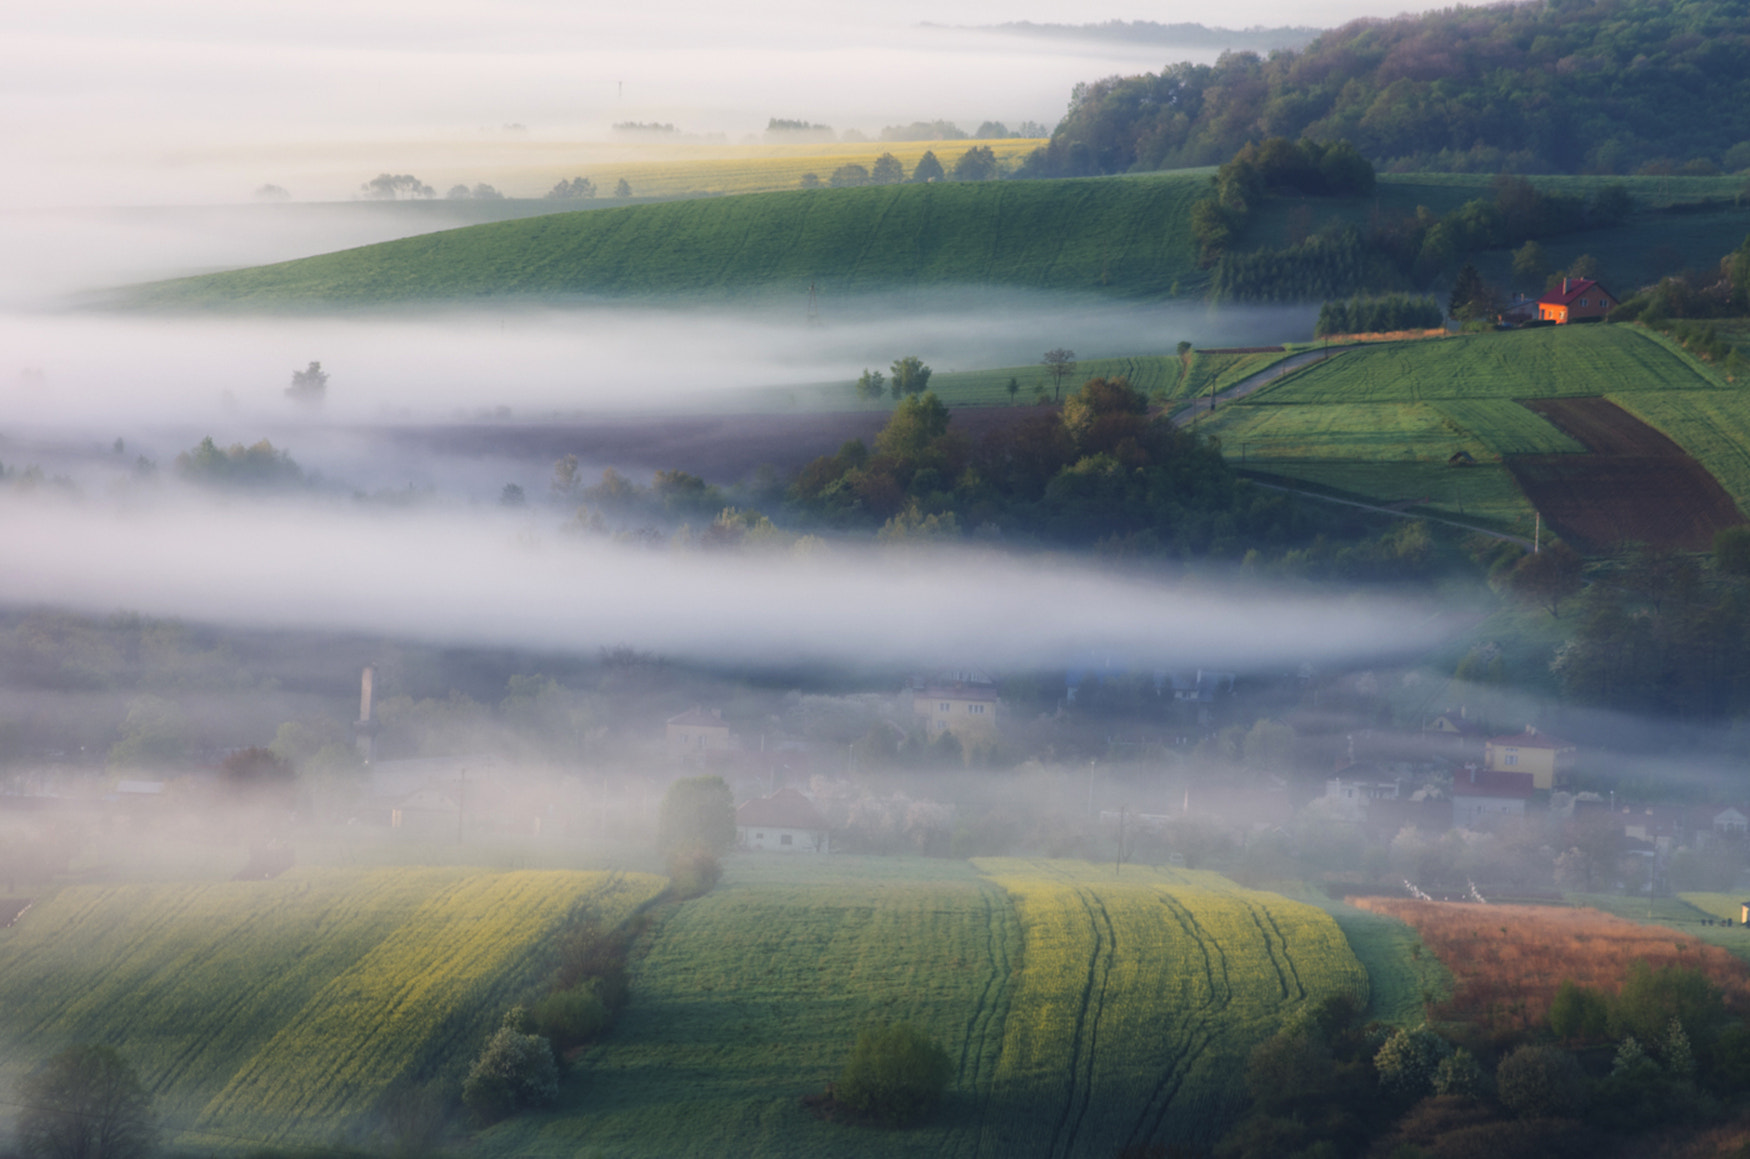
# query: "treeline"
(1665, 1050)
(1378, 315)
(1609, 86)
(1097, 470)
(978, 163)
(1395, 253)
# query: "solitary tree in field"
(1061, 363)
(1013, 388)
(910, 376)
(928, 169)
(622, 188)
(309, 386)
(86, 1103)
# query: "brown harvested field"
(1508, 960)
(1635, 485)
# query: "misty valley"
(817, 581)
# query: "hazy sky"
(202, 100)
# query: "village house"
(1481, 797)
(785, 822)
(695, 733)
(963, 703)
(1577, 299)
(1543, 756)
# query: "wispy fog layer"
(513, 580)
(193, 100)
(121, 372)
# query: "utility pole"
(1537, 535)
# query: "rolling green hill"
(1083, 1014)
(1119, 236)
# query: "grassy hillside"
(282, 1011)
(1122, 236)
(1082, 1012)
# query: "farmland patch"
(1712, 425)
(281, 1011)
(1636, 487)
(1508, 960)
(1557, 361)
(1140, 997)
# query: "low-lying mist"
(513, 579)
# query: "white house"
(785, 822)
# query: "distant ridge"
(1152, 32)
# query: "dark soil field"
(719, 448)
(1636, 485)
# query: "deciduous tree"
(86, 1103)
(1060, 363)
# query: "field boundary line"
(1510, 538)
(1252, 383)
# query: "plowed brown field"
(1636, 485)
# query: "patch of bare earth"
(1635, 485)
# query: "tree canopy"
(1602, 86)
(86, 1103)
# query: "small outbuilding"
(785, 822)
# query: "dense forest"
(1609, 86)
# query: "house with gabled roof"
(785, 822)
(693, 734)
(1576, 299)
(1483, 796)
(1543, 756)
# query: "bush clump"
(568, 1018)
(514, 1072)
(896, 1074)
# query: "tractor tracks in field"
(1085, 1042)
(1251, 384)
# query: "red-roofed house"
(786, 822)
(1576, 298)
(1541, 755)
(1482, 796)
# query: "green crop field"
(1126, 236)
(1683, 912)
(1712, 425)
(1082, 1011)
(1551, 362)
(1163, 377)
(281, 1011)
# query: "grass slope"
(1126, 236)
(1163, 377)
(282, 1011)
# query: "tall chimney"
(366, 728)
(365, 694)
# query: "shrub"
(1578, 1013)
(569, 1018)
(1541, 1080)
(1459, 1074)
(1407, 1062)
(515, 1071)
(896, 1074)
(693, 872)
